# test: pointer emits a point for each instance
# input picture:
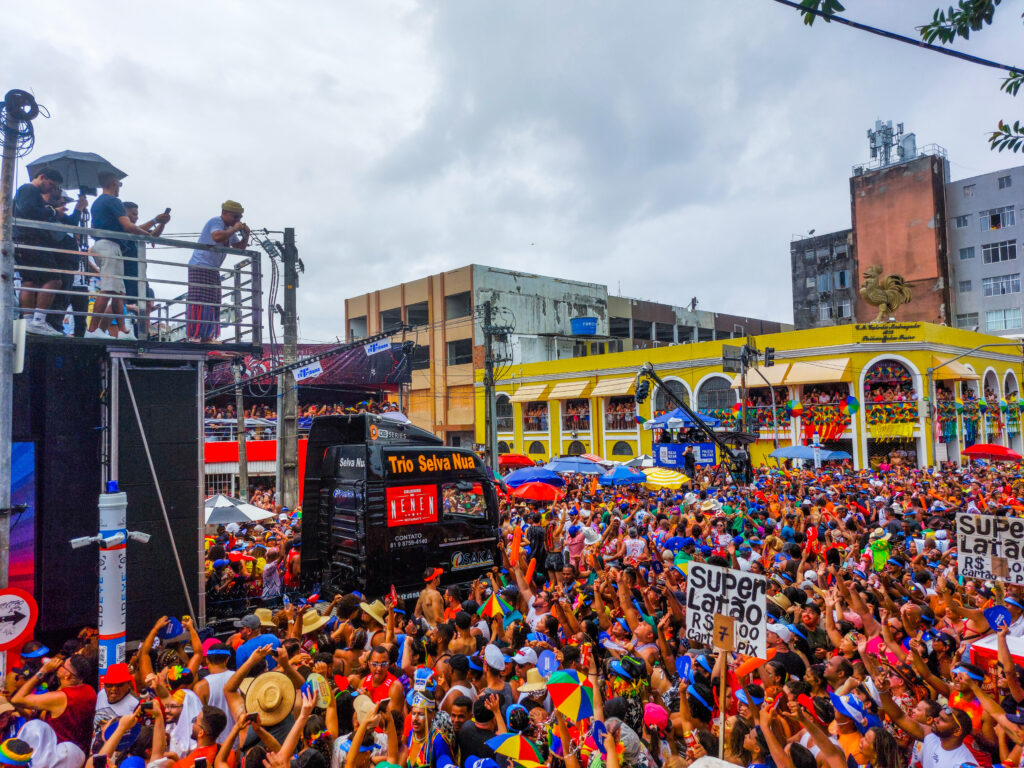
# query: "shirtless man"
(464, 642)
(430, 605)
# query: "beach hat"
(266, 617)
(535, 681)
(363, 706)
(709, 505)
(232, 207)
(376, 610)
(590, 536)
(494, 658)
(272, 695)
(312, 621)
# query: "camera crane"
(735, 460)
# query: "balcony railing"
(160, 303)
(576, 423)
(620, 422)
(535, 423)
(897, 412)
(226, 430)
(505, 423)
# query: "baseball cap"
(494, 658)
(248, 622)
(525, 656)
(117, 674)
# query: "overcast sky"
(668, 149)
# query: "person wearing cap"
(204, 292)
(430, 604)
(210, 689)
(116, 697)
(458, 681)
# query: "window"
(996, 218)
(685, 333)
(716, 392)
(642, 329)
(841, 279)
(664, 332)
(810, 282)
(1000, 285)
(460, 352)
(960, 221)
(824, 282)
(1005, 182)
(809, 255)
(417, 314)
(536, 447)
(622, 448)
(1002, 319)
(843, 310)
(968, 190)
(967, 321)
(576, 448)
(964, 286)
(458, 305)
(357, 327)
(993, 253)
(420, 359)
(705, 334)
(460, 499)
(967, 253)
(618, 327)
(504, 447)
(826, 313)
(391, 319)
(841, 252)
(503, 413)
(662, 402)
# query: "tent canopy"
(829, 371)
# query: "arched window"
(1010, 389)
(576, 448)
(716, 392)
(503, 447)
(536, 447)
(503, 413)
(622, 448)
(664, 403)
(888, 380)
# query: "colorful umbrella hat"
(494, 606)
(572, 695)
(516, 748)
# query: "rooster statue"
(886, 293)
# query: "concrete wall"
(968, 198)
(898, 217)
(812, 257)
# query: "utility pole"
(20, 107)
(243, 463)
(287, 416)
(490, 415)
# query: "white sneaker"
(41, 329)
(97, 334)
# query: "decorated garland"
(903, 412)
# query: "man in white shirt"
(115, 699)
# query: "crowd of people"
(103, 284)
(872, 644)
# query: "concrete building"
(445, 312)
(985, 227)
(824, 279)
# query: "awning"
(528, 393)
(775, 374)
(566, 390)
(613, 387)
(955, 371)
(829, 370)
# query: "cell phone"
(167, 211)
(200, 762)
(100, 761)
(146, 706)
(382, 707)
(252, 717)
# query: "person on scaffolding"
(203, 311)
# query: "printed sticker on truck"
(411, 504)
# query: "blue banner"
(671, 454)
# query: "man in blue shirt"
(203, 309)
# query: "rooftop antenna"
(883, 140)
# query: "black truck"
(384, 501)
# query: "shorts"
(554, 562)
(108, 259)
(40, 261)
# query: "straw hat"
(535, 681)
(312, 621)
(272, 695)
(266, 617)
(376, 610)
(709, 505)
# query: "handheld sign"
(547, 663)
(741, 595)
(723, 637)
(990, 547)
(18, 613)
(998, 616)
(683, 666)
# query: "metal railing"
(226, 430)
(505, 423)
(579, 422)
(159, 300)
(620, 421)
(535, 423)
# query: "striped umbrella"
(516, 748)
(221, 509)
(572, 695)
(664, 478)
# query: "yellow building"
(586, 405)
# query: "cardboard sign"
(990, 547)
(712, 590)
(723, 633)
(411, 504)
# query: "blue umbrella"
(679, 419)
(794, 452)
(574, 465)
(622, 476)
(533, 475)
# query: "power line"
(900, 38)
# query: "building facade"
(824, 279)
(582, 406)
(985, 229)
(534, 315)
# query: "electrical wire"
(900, 38)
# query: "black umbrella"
(79, 169)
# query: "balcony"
(620, 421)
(159, 292)
(505, 423)
(896, 412)
(579, 422)
(535, 423)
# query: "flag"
(959, 405)
(639, 419)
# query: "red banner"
(409, 504)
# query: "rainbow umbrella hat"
(571, 695)
(516, 748)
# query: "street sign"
(18, 614)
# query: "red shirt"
(75, 723)
(382, 691)
(209, 753)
